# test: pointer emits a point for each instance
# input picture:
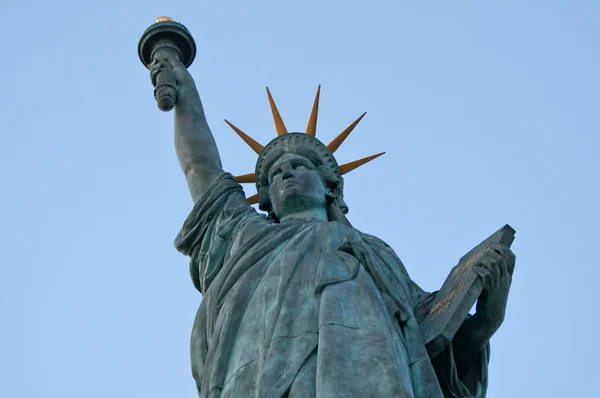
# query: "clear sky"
(488, 111)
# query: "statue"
(297, 302)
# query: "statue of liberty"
(295, 301)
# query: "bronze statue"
(295, 301)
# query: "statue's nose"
(287, 174)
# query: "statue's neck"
(306, 215)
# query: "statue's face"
(295, 185)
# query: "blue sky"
(488, 112)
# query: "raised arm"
(195, 145)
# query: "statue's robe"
(307, 309)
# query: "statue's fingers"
(491, 264)
(155, 69)
(497, 251)
(495, 269)
(505, 252)
(506, 274)
(485, 274)
(167, 58)
(498, 247)
(160, 56)
(502, 269)
(510, 261)
(495, 258)
(157, 64)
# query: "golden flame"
(163, 19)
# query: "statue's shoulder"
(381, 247)
(369, 239)
(374, 241)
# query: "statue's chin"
(290, 193)
(292, 201)
(290, 186)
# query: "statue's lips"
(289, 184)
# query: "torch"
(168, 36)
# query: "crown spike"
(337, 141)
(246, 178)
(252, 200)
(281, 130)
(311, 129)
(253, 144)
(348, 167)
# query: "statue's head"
(296, 172)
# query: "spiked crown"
(307, 140)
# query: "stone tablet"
(458, 295)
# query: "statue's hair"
(333, 183)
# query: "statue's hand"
(495, 268)
(166, 59)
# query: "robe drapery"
(307, 309)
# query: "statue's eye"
(275, 173)
(300, 166)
